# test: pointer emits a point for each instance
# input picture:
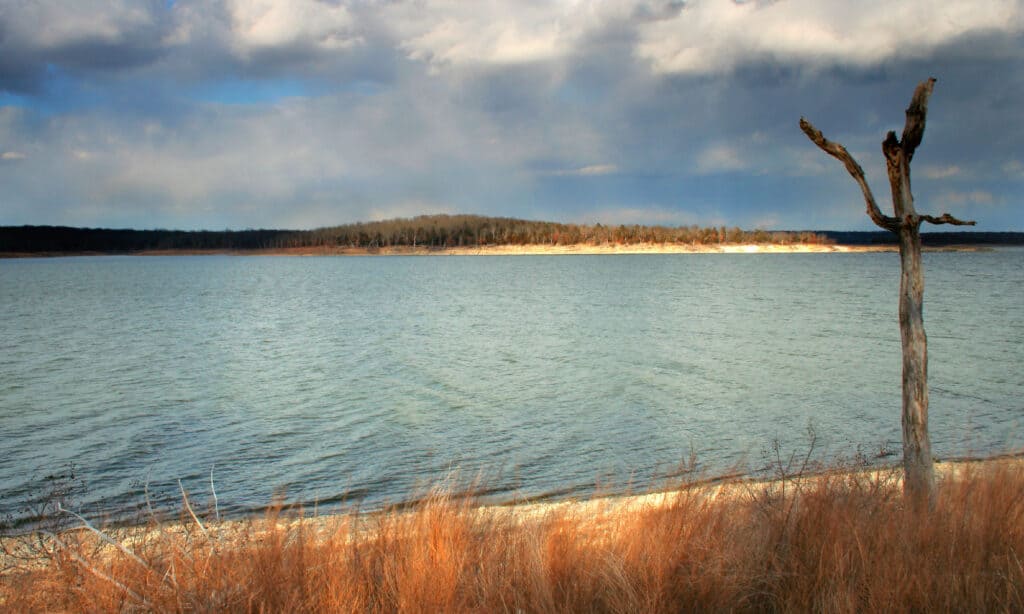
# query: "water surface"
(369, 378)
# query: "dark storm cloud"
(81, 36)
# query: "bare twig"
(105, 538)
(96, 572)
(946, 218)
(216, 507)
(149, 503)
(188, 506)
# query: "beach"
(581, 249)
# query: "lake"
(367, 379)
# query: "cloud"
(187, 39)
(592, 170)
(315, 161)
(12, 155)
(214, 113)
(720, 158)
(597, 169)
(767, 222)
(941, 172)
(808, 162)
(274, 23)
(957, 198)
(1014, 169)
(455, 33)
(715, 36)
(54, 24)
(410, 208)
(251, 30)
(651, 214)
(90, 35)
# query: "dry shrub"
(840, 542)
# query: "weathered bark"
(919, 472)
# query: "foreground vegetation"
(842, 542)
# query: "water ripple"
(335, 380)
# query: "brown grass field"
(838, 541)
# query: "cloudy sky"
(305, 113)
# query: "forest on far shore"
(440, 231)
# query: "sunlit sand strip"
(587, 249)
(524, 250)
(735, 488)
(527, 250)
(537, 250)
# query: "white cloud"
(768, 221)
(455, 32)
(956, 198)
(720, 158)
(409, 208)
(808, 161)
(597, 169)
(12, 155)
(592, 170)
(245, 29)
(1014, 169)
(710, 36)
(761, 154)
(652, 214)
(278, 23)
(298, 163)
(941, 172)
(458, 42)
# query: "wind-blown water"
(369, 378)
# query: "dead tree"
(918, 470)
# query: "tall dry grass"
(839, 543)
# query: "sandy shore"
(735, 487)
(545, 250)
(517, 250)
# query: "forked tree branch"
(839, 152)
(913, 129)
(946, 218)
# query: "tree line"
(426, 231)
(474, 230)
(442, 231)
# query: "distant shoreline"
(457, 235)
(512, 250)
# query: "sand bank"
(516, 250)
(737, 487)
(581, 249)
(538, 250)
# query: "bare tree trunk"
(918, 467)
(918, 470)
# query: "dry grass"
(839, 543)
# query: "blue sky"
(307, 113)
